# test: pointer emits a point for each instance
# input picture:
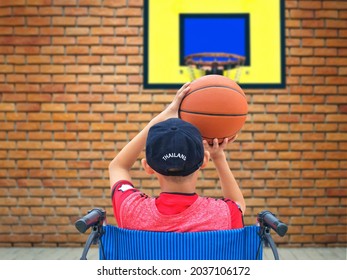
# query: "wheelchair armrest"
(268, 220)
(94, 217)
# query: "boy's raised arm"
(119, 167)
(229, 186)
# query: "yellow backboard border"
(161, 40)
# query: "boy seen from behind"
(175, 153)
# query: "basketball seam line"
(216, 87)
(212, 114)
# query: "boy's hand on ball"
(216, 150)
(171, 110)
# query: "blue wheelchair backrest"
(237, 244)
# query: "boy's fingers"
(186, 84)
(184, 87)
(215, 143)
(224, 143)
(181, 93)
(185, 90)
(206, 144)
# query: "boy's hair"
(174, 148)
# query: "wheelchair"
(116, 243)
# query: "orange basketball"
(216, 105)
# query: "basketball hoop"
(215, 63)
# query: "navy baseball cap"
(174, 148)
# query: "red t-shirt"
(169, 203)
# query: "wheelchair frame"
(96, 220)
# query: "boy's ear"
(206, 159)
(146, 167)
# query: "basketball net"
(201, 64)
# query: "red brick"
(131, 12)
(24, 40)
(315, 5)
(334, 23)
(337, 192)
(313, 23)
(127, 31)
(302, 165)
(301, 70)
(303, 202)
(327, 33)
(115, 21)
(300, 13)
(33, 107)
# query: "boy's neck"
(177, 189)
(178, 184)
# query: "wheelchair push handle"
(266, 218)
(94, 217)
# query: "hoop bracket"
(214, 63)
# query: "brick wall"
(71, 97)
